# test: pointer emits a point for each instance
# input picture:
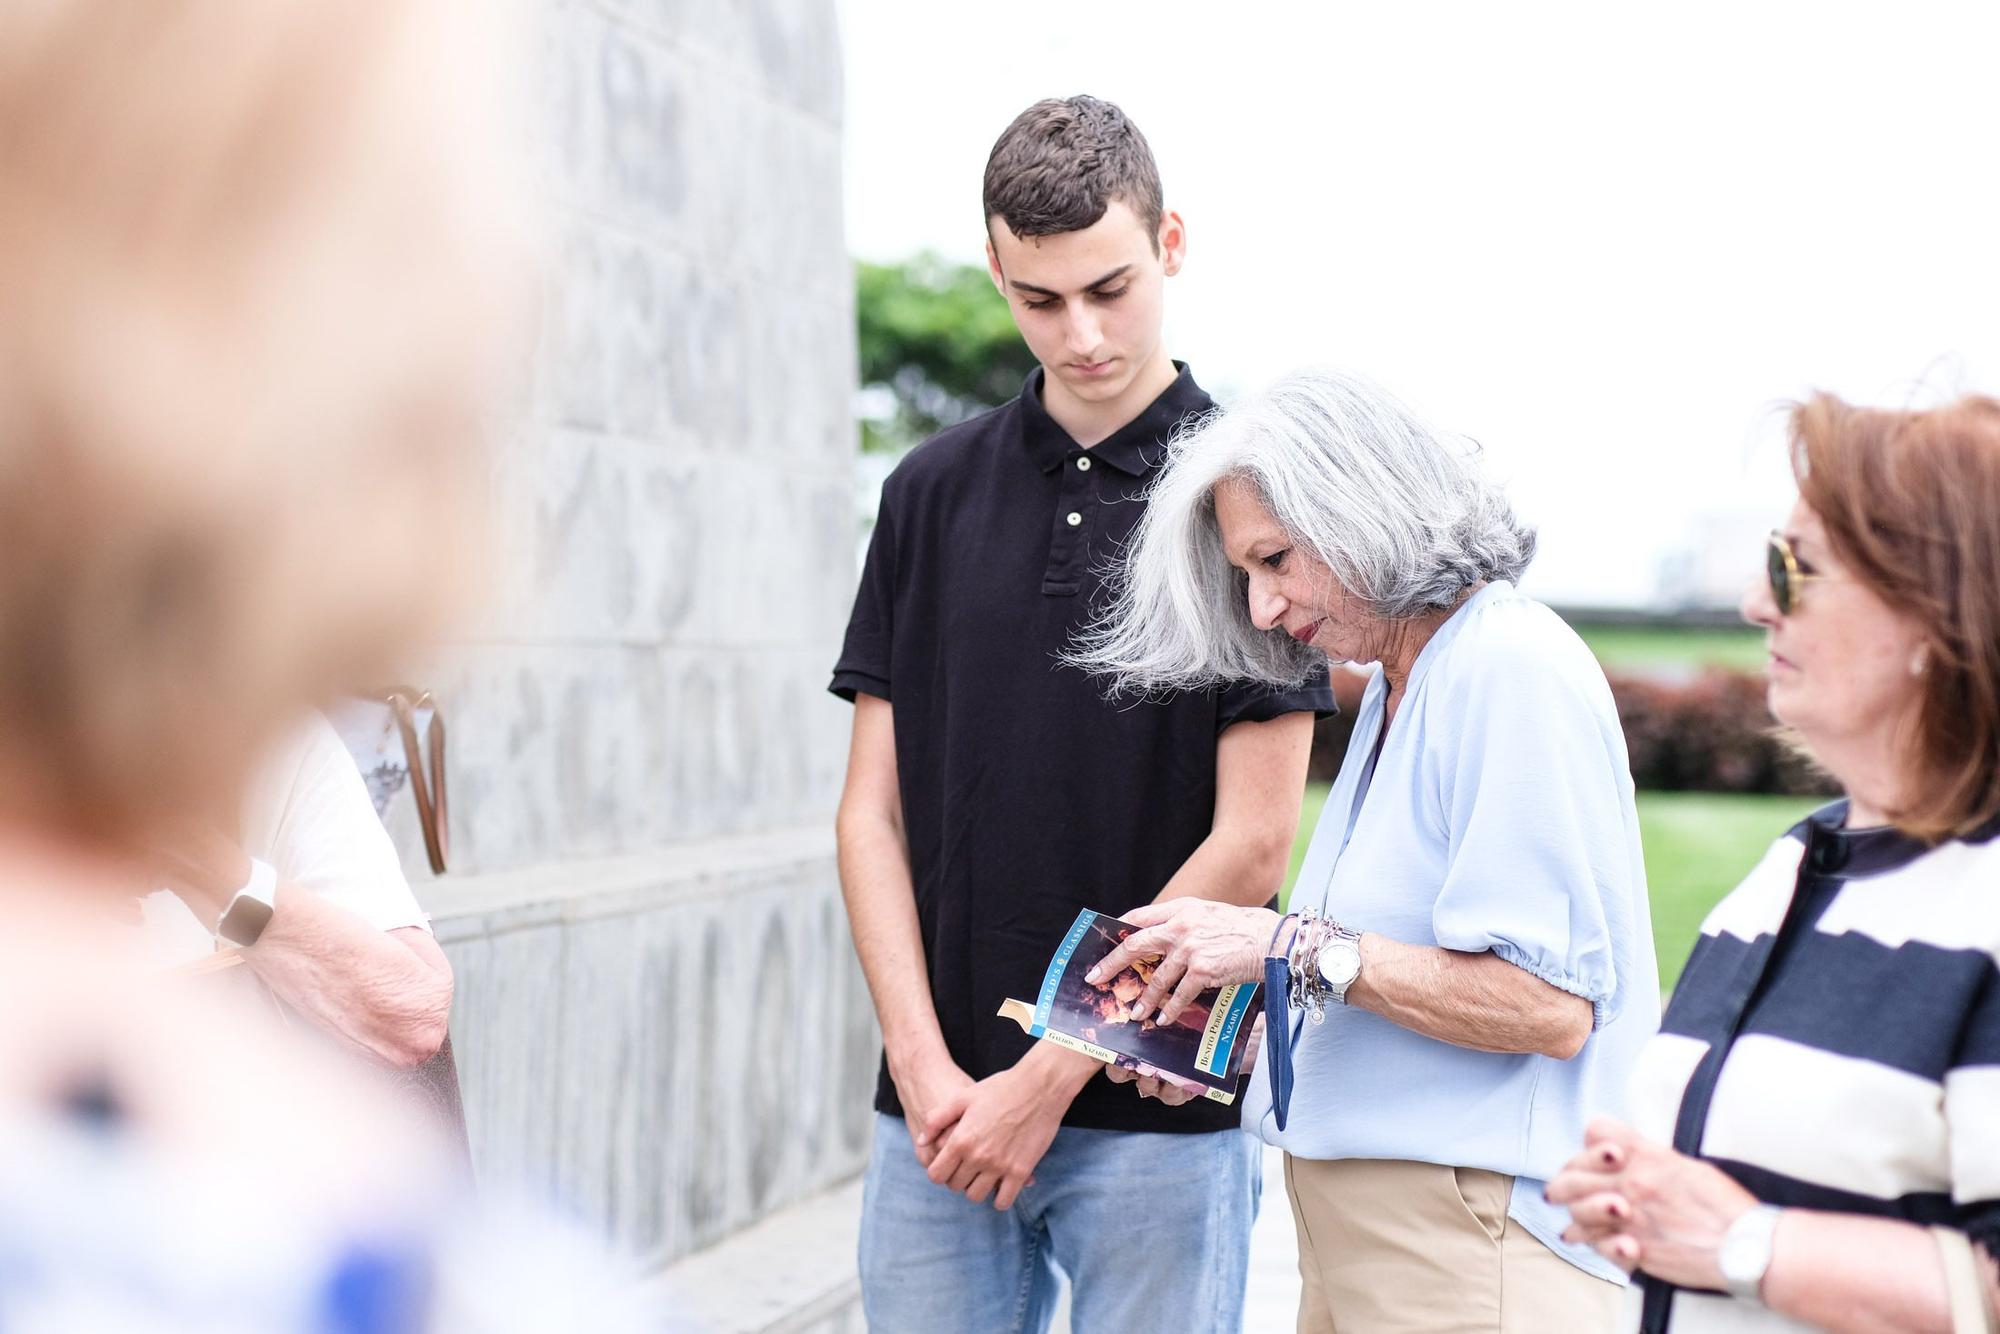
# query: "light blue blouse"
(1499, 817)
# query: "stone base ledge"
(482, 904)
(791, 1273)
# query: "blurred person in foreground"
(1476, 935)
(249, 286)
(1816, 1133)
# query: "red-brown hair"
(1911, 503)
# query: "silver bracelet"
(1307, 989)
(1294, 988)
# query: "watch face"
(245, 921)
(1340, 962)
(1745, 1252)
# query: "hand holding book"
(1100, 996)
(1173, 1092)
(1200, 944)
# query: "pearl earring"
(1918, 662)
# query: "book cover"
(1204, 1046)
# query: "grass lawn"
(1308, 817)
(1698, 846)
(1644, 648)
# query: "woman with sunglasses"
(1477, 943)
(1817, 1133)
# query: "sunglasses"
(1781, 566)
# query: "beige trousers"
(1389, 1247)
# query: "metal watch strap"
(1351, 939)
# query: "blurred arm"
(386, 994)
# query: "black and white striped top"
(1834, 1042)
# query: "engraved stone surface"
(659, 1018)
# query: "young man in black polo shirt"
(991, 793)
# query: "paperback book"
(1203, 1047)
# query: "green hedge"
(1711, 732)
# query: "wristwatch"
(1340, 961)
(249, 909)
(1745, 1252)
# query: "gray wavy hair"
(1404, 517)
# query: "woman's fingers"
(1154, 914)
(1166, 973)
(1609, 1147)
(1146, 944)
(1166, 1088)
(1118, 1074)
(1609, 1130)
(1575, 1183)
(1193, 982)
(1605, 1211)
(1621, 1249)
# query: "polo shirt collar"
(1134, 449)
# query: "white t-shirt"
(308, 814)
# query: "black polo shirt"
(1026, 794)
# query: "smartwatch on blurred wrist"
(1745, 1252)
(249, 909)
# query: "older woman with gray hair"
(1471, 919)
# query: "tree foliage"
(939, 340)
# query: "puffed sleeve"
(1972, 1112)
(1534, 795)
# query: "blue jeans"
(1152, 1230)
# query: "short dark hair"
(1061, 163)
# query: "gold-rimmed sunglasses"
(1781, 566)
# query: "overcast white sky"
(1605, 240)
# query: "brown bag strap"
(427, 781)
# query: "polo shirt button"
(1074, 518)
(1083, 465)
